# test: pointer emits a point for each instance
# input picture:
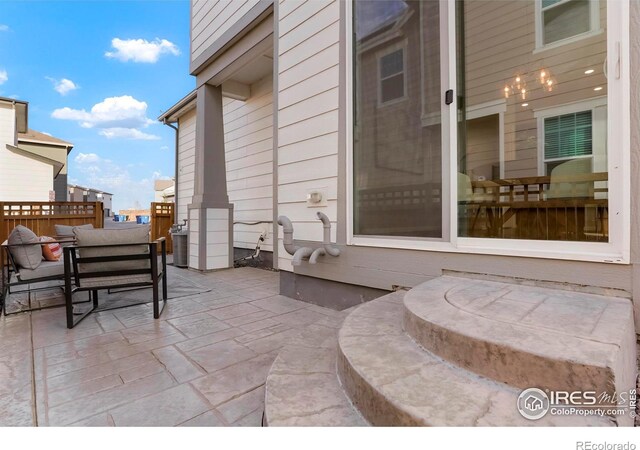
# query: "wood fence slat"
(162, 218)
(41, 217)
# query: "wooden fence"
(41, 217)
(162, 217)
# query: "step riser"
(507, 365)
(526, 336)
(376, 409)
(394, 382)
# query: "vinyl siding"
(186, 162)
(308, 58)
(13, 167)
(248, 135)
(211, 18)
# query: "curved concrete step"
(392, 381)
(526, 336)
(303, 390)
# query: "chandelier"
(518, 86)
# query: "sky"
(98, 74)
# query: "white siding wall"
(21, 178)
(211, 18)
(307, 114)
(248, 131)
(186, 162)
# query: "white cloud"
(4, 27)
(63, 86)
(117, 117)
(141, 50)
(82, 158)
(3, 76)
(164, 147)
(97, 172)
(127, 133)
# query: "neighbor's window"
(564, 19)
(392, 85)
(397, 160)
(567, 137)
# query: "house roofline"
(57, 165)
(184, 105)
(97, 191)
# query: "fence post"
(99, 215)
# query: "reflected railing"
(572, 207)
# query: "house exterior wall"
(248, 130)
(186, 162)
(210, 19)
(308, 115)
(310, 134)
(56, 153)
(13, 167)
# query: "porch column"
(210, 214)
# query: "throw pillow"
(25, 255)
(51, 252)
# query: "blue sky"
(98, 74)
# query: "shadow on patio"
(203, 363)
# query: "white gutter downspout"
(175, 195)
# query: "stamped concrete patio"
(203, 363)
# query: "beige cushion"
(106, 282)
(98, 237)
(67, 230)
(46, 269)
(28, 256)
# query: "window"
(554, 185)
(397, 162)
(567, 137)
(392, 82)
(559, 20)
(534, 159)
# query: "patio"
(203, 363)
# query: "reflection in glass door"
(532, 159)
(397, 150)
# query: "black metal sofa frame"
(9, 267)
(74, 275)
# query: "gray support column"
(210, 214)
(210, 190)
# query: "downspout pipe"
(175, 188)
(287, 230)
(326, 224)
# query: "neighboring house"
(20, 155)
(164, 191)
(77, 193)
(485, 139)
(50, 147)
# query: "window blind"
(568, 136)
